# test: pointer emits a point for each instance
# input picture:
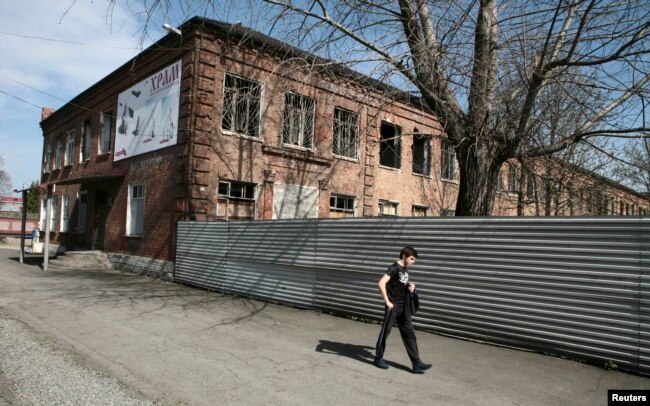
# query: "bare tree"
(5, 179)
(481, 66)
(633, 168)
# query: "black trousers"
(403, 319)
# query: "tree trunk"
(479, 170)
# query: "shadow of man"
(359, 353)
(356, 352)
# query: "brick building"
(225, 123)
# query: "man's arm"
(382, 288)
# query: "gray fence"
(566, 286)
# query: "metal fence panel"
(566, 286)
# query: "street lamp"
(171, 29)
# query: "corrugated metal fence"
(566, 286)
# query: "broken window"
(390, 145)
(298, 126)
(341, 206)
(421, 154)
(241, 106)
(346, 133)
(237, 190)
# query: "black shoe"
(380, 363)
(420, 367)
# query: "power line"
(65, 41)
(22, 100)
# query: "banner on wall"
(147, 114)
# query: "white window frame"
(242, 106)
(335, 198)
(69, 148)
(231, 190)
(135, 209)
(54, 213)
(43, 214)
(298, 120)
(447, 213)
(345, 139)
(388, 203)
(65, 213)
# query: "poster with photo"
(147, 114)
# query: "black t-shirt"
(396, 286)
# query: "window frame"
(350, 127)
(390, 147)
(414, 207)
(69, 147)
(65, 213)
(426, 148)
(448, 168)
(47, 157)
(106, 121)
(58, 153)
(229, 110)
(383, 203)
(447, 213)
(513, 179)
(229, 190)
(346, 198)
(82, 200)
(305, 116)
(86, 140)
(135, 228)
(54, 212)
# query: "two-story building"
(224, 123)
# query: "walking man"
(400, 299)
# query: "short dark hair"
(408, 251)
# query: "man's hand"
(389, 304)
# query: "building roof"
(265, 43)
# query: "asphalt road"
(189, 346)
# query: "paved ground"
(188, 346)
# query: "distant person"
(400, 299)
(36, 235)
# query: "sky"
(52, 51)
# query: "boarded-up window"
(341, 206)
(295, 202)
